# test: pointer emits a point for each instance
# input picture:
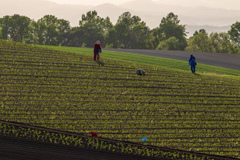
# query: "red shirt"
(96, 47)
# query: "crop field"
(71, 92)
(177, 65)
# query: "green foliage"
(111, 38)
(83, 45)
(52, 31)
(109, 46)
(215, 42)
(15, 28)
(129, 32)
(170, 44)
(140, 36)
(234, 32)
(170, 27)
(221, 43)
(156, 37)
(199, 42)
(92, 28)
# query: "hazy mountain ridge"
(149, 11)
(153, 7)
(41, 8)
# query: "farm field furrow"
(71, 92)
(108, 97)
(81, 68)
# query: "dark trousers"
(193, 67)
(96, 55)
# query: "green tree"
(170, 27)
(140, 35)
(199, 42)
(73, 39)
(1, 21)
(155, 37)
(123, 35)
(93, 28)
(221, 43)
(33, 34)
(63, 29)
(234, 33)
(131, 32)
(52, 31)
(47, 30)
(123, 30)
(111, 38)
(170, 44)
(106, 26)
(15, 28)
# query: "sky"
(226, 4)
(90, 2)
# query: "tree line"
(129, 32)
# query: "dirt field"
(18, 149)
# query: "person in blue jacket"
(190, 59)
(192, 62)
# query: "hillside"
(70, 92)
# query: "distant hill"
(150, 12)
(40, 8)
(191, 29)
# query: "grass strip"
(157, 61)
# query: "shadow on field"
(196, 74)
(100, 63)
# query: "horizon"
(219, 4)
(150, 11)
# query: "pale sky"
(90, 2)
(226, 4)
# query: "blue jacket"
(192, 59)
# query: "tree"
(47, 31)
(131, 32)
(4, 24)
(221, 43)
(15, 28)
(170, 44)
(111, 38)
(52, 31)
(106, 26)
(1, 37)
(92, 28)
(123, 29)
(123, 35)
(140, 35)
(33, 36)
(63, 30)
(234, 33)
(73, 39)
(199, 42)
(170, 27)
(155, 37)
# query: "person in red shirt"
(97, 50)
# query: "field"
(178, 65)
(71, 92)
